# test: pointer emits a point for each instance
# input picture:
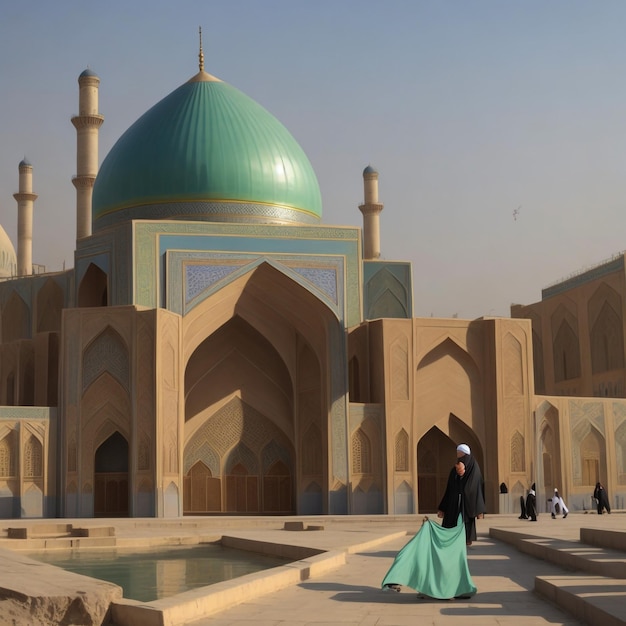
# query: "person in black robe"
(602, 499)
(531, 504)
(522, 504)
(464, 494)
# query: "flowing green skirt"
(434, 563)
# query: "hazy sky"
(467, 109)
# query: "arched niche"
(111, 477)
(93, 288)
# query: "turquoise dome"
(206, 152)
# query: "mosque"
(218, 349)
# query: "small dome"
(206, 152)
(8, 258)
(25, 163)
(369, 170)
(86, 73)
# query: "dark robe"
(531, 506)
(523, 514)
(602, 499)
(464, 495)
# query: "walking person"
(464, 494)
(558, 506)
(602, 499)
(522, 504)
(531, 504)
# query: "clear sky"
(469, 110)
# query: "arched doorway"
(258, 374)
(93, 289)
(202, 492)
(111, 478)
(435, 456)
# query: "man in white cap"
(558, 506)
(464, 494)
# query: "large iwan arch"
(260, 368)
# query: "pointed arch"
(8, 456)
(274, 452)
(549, 444)
(277, 358)
(387, 296)
(565, 344)
(566, 353)
(93, 288)
(111, 462)
(518, 452)
(171, 505)
(592, 458)
(589, 463)
(367, 500)
(33, 458)
(604, 295)
(241, 458)
(434, 450)
(238, 359)
(202, 492)
(361, 453)
(402, 451)
(242, 481)
(107, 352)
(447, 382)
(15, 319)
(106, 407)
(403, 499)
(606, 334)
(198, 449)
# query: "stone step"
(596, 593)
(598, 600)
(612, 539)
(572, 555)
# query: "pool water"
(152, 574)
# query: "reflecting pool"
(155, 573)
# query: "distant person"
(522, 504)
(464, 494)
(602, 499)
(531, 504)
(558, 506)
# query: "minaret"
(371, 209)
(25, 203)
(87, 123)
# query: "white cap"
(464, 448)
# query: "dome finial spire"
(201, 54)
